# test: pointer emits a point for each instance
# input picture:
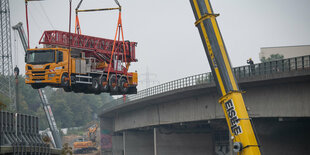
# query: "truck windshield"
(40, 57)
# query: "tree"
(69, 109)
(75, 109)
(4, 102)
(272, 57)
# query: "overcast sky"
(169, 44)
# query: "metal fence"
(267, 68)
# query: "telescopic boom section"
(237, 118)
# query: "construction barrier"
(19, 134)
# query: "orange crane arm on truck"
(237, 118)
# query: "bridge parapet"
(241, 73)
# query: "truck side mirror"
(26, 58)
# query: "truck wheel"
(104, 86)
(65, 80)
(113, 83)
(95, 84)
(123, 85)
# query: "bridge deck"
(295, 69)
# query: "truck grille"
(38, 75)
(38, 72)
(37, 79)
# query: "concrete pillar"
(124, 142)
(139, 143)
(155, 140)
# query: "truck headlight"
(51, 75)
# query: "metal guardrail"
(267, 68)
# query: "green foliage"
(75, 109)
(272, 57)
(4, 102)
(69, 109)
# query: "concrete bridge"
(183, 116)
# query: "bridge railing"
(267, 68)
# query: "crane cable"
(15, 48)
(27, 23)
(48, 19)
(119, 31)
(77, 22)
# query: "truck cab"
(46, 66)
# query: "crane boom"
(46, 106)
(19, 28)
(237, 118)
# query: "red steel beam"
(89, 43)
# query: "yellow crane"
(239, 123)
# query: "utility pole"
(6, 65)
(149, 79)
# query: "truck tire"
(123, 85)
(104, 86)
(95, 84)
(113, 83)
(64, 80)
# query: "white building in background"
(286, 51)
